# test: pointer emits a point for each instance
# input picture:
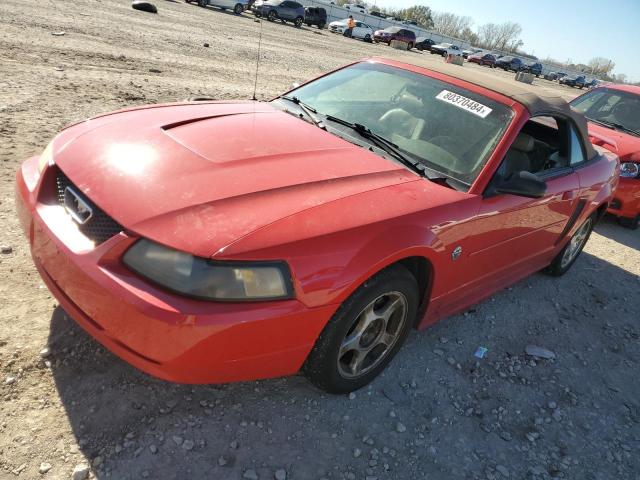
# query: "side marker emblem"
(456, 253)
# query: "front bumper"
(165, 335)
(626, 198)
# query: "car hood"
(200, 176)
(622, 144)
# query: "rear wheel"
(563, 261)
(202, 3)
(367, 38)
(272, 16)
(321, 25)
(238, 9)
(365, 333)
(410, 46)
(298, 22)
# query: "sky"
(561, 29)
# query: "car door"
(358, 30)
(513, 236)
(285, 11)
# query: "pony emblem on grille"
(79, 210)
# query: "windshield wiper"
(616, 126)
(307, 109)
(382, 143)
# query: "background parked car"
(483, 59)
(377, 14)
(510, 63)
(591, 83)
(238, 6)
(573, 81)
(424, 43)
(533, 67)
(361, 30)
(395, 33)
(315, 16)
(470, 51)
(613, 113)
(284, 10)
(446, 49)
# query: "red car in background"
(613, 112)
(482, 59)
(395, 33)
(223, 241)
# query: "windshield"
(611, 107)
(449, 129)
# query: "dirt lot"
(436, 413)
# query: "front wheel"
(272, 16)
(238, 9)
(563, 261)
(365, 333)
(321, 26)
(298, 22)
(202, 3)
(410, 46)
(367, 38)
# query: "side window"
(542, 147)
(577, 149)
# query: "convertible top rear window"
(449, 129)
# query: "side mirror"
(523, 184)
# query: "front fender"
(387, 248)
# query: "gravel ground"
(68, 407)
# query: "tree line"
(503, 37)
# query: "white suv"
(238, 6)
(361, 30)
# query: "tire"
(321, 26)
(571, 251)
(272, 16)
(410, 46)
(335, 372)
(630, 223)
(202, 3)
(298, 22)
(367, 38)
(238, 9)
(308, 24)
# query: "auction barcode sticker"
(464, 103)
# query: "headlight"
(629, 169)
(206, 279)
(46, 157)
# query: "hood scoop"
(190, 121)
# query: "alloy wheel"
(576, 244)
(372, 335)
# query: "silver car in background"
(238, 6)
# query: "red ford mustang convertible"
(224, 241)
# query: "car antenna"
(255, 85)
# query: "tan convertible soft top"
(537, 100)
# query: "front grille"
(100, 227)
